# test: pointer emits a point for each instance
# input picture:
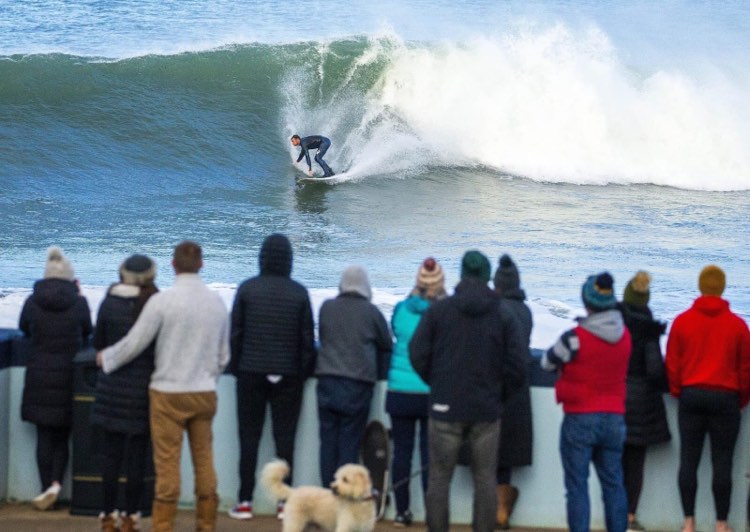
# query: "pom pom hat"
(58, 266)
(506, 276)
(637, 290)
(598, 292)
(430, 277)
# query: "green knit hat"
(475, 265)
(637, 290)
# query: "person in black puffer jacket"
(645, 417)
(57, 320)
(121, 397)
(273, 353)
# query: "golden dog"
(347, 507)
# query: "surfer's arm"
(306, 155)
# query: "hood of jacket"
(276, 256)
(55, 294)
(354, 281)
(474, 297)
(417, 304)
(607, 325)
(711, 305)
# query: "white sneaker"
(46, 499)
(243, 510)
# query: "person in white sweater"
(190, 325)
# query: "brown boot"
(162, 515)
(205, 513)
(129, 523)
(108, 522)
(506, 499)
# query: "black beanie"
(506, 276)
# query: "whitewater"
(576, 136)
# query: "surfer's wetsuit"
(321, 144)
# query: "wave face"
(553, 105)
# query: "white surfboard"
(331, 179)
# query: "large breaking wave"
(553, 105)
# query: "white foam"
(550, 318)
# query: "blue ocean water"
(577, 136)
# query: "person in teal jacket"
(407, 400)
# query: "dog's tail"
(272, 478)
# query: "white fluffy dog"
(347, 507)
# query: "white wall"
(542, 499)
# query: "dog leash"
(404, 480)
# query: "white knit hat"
(58, 266)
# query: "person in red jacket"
(708, 367)
(592, 360)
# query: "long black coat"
(516, 436)
(645, 417)
(121, 398)
(56, 319)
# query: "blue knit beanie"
(598, 292)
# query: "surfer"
(313, 142)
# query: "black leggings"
(633, 460)
(717, 414)
(134, 450)
(51, 453)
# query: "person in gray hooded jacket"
(355, 353)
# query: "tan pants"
(171, 414)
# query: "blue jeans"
(403, 430)
(319, 158)
(597, 438)
(445, 441)
(407, 410)
(343, 409)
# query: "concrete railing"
(542, 499)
